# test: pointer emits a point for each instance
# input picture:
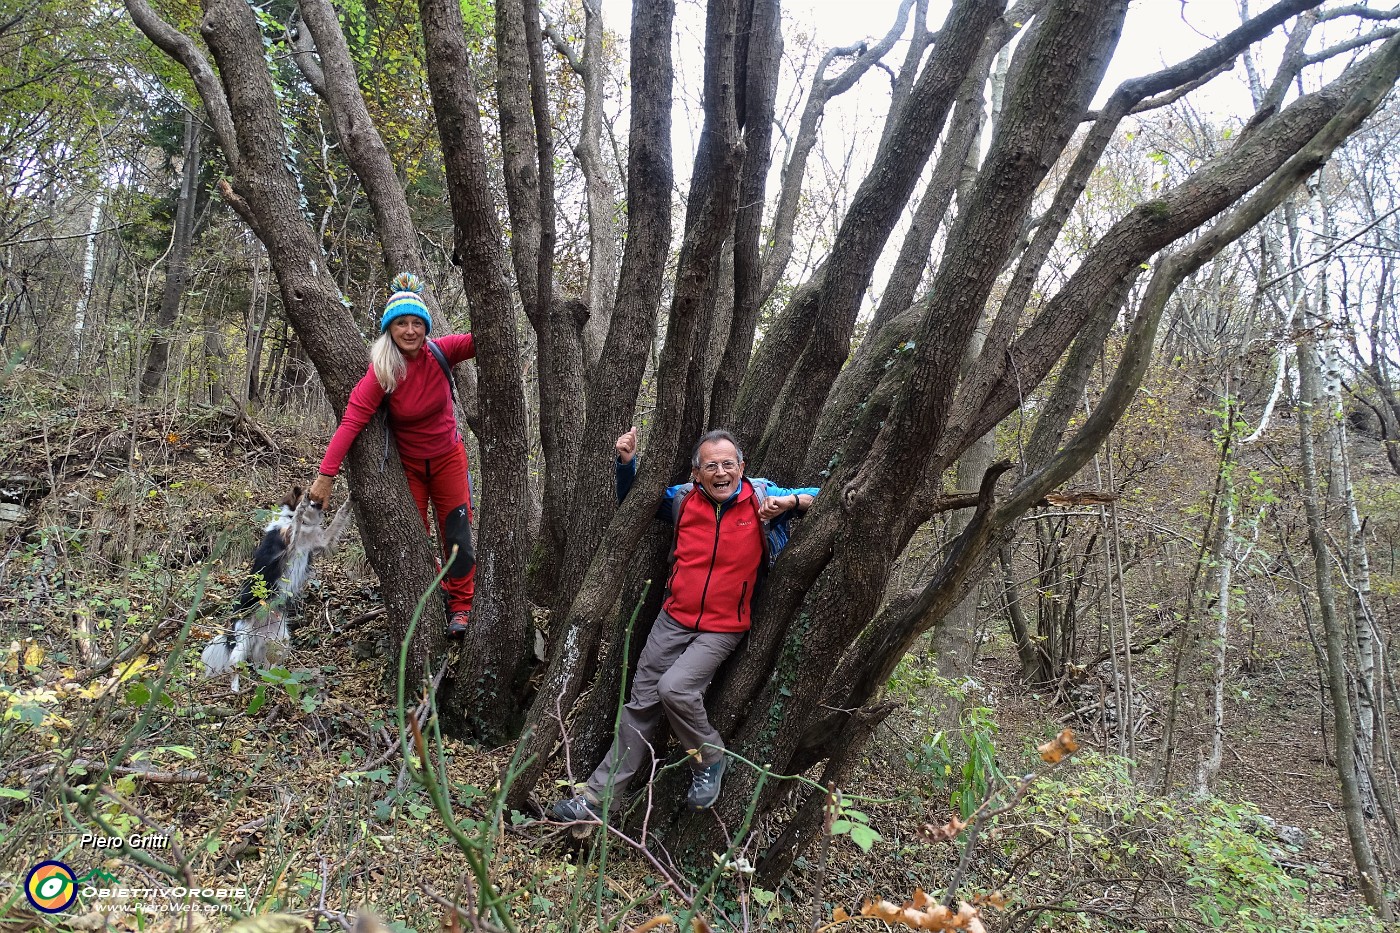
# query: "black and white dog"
(272, 590)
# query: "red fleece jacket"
(719, 549)
(420, 409)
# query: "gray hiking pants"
(675, 669)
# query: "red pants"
(443, 480)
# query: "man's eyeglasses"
(713, 467)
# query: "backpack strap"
(760, 491)
(760, 496)
(445, 367)
(677, 504)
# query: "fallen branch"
(154, 775)
(245, 421)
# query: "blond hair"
(387, 361)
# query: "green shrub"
(1202, 854)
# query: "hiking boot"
(457, 624)
(704, 785)
(575, 810)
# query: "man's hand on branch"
(627, 446)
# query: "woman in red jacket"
(414, 374)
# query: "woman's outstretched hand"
(320, 490)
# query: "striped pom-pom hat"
(406, 299)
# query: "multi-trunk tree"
(967, 328)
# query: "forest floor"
(113, 518)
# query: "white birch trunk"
(1225, 565)
(89, 276)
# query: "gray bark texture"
(498, 649)
(176, 265)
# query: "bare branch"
(1172, 271)
(182, 49)
(1360, 10)
(1170, 97)
(776, 257)
(1341, 48)
(1329, 253)
(304, 54)
(562, 46)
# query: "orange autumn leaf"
(944, 833)
(919, 914)
(992, 899)
(966, 915)
(1054, 751)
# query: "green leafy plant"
(851, 822)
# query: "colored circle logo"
(51, 887)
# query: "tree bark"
(611, 402)
(604, 227)
(495, 661)
(528, 145)
(709, 217)
(176, 266)
(760, 88)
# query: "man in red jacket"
(728, 531)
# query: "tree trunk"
(795, 374)
(489, 678)
(1334, 638)
(611, 402)
(759, 77)
(1223, 561)
(176, 265)
(88, 281)
(709, 217)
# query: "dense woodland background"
(1100, 386)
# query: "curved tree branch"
(182, 49)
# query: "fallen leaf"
(944, 833)
(991, 899)
(1054, 751)
(272, 923)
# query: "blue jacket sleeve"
(627, 472)
(776, 491)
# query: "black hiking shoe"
(705, 785)
(577, 809)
